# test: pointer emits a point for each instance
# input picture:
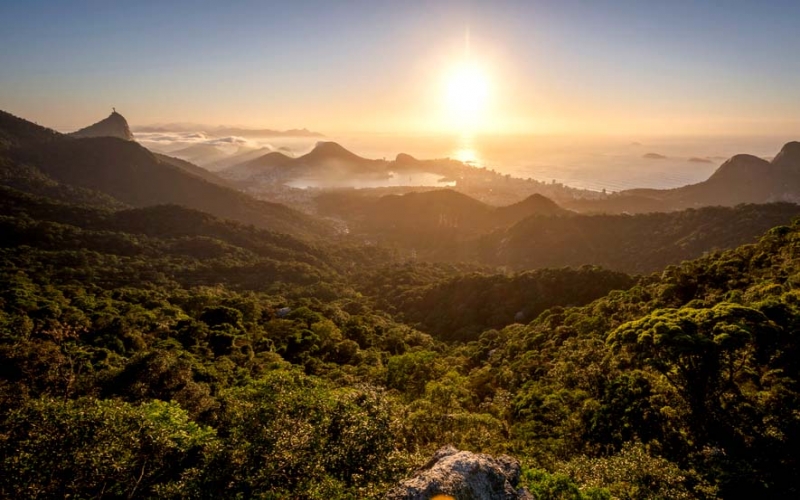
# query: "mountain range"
(110, 171)
(326, 160)
(741, 179)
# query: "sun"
(466, 94)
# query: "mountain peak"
(330, 147)
(535, 204)
(742, 166)
(329, 150)
(115, 125)
(403, 159)
(789, 155)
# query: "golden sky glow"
(467, 96)
(600, 67)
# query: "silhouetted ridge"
(271, 159)
(440, 199)
(535, 203)
(789, 156)
(113, 126)
(438, 220)
(263, 164)
(137, 177)
(405, 159)
(16, 132)
(327, 150)
(740, 168)
(193, 169)
(639, 243)
(743, 178)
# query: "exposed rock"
(653, 156)
(464, 475)
(113, 126)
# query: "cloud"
(172, 141)
(234, 141)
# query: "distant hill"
(263, 164)
(115, 125)
(631, 243)
(126, 173)
(534, 204)
(741, 179)
(326, 160)
(203, 154)
(244, 156)
(327, 151)
(447, 226)
(193, 169)
(448, 211)
(134, 175)
(434, 223)
(193, 246)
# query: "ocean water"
(393, 180)
(613, 164)
(596, 163)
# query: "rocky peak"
(115, 125)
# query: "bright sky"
(613, 66)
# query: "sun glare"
(467, 92)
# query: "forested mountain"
(155, 350)
(447, 226)
(168, 245)
(130, 174)
(429, 219)
(163, 352)
(16, 132)
(639, 243)
(459, 304)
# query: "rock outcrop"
(463, 475)
(113, 126)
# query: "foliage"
(162, 352)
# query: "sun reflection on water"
(466, 152)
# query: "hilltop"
(115, 125)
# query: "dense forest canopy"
(170, 341)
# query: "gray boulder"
(463, 475)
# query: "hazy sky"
(342, 66)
